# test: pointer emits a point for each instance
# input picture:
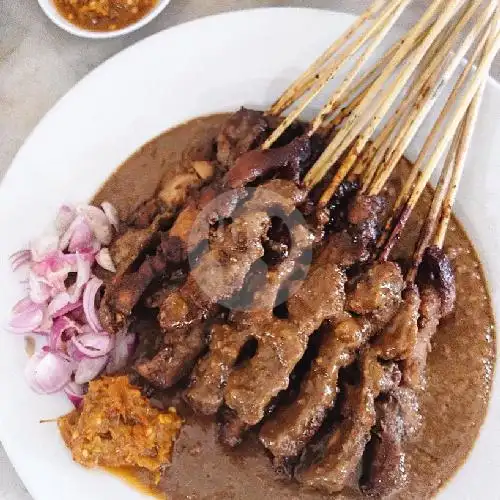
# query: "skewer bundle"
(367, 124)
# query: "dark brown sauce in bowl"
(459, 367)
(104, 15)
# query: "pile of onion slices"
(60, 305)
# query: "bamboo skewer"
(379, 30)
(339, 94)
(459, 166)
(428, 98)
(361, 116)
(424, 175)
(430, 222)
(405, 191)
(307, 79)
(431, 44)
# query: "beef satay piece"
(384, 463)
(438, 294)
(223, 268)
(376, 296)
(397, 340)
(205, 394)
(282, 343)
(344, 449)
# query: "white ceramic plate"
(215, 64)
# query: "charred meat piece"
(205, 393)
(346, 445)
(209, 378)
(384, 467)
(290, 429)
(222, 270)
(364, 215)
(282, 343)
(243, 131)
(175, 359)
(398, 339)
(436, 270)
(259, 163)
(377, 296)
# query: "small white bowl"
(52, 13)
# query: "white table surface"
(39, 63)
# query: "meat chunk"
(232, 429)
(415, 362)
(385, 471)
(117, 427)
(380, 287)
(346, 445)
(242, 131)
(438, 292)
(175, 359)
(398, 420)
(209, 378)
(377, 296)
(398, 339)
(220, 272)
(205, 394)
(282, 343)
(290, 429)
(436, 270)
(259, 163)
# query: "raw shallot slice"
(89, 368)
(103, 258)
(93, 345)
(47, 372)
(89, 307)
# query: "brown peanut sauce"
(460, 366)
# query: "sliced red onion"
(124, 348)
(55, 268)
(65, 217)
(77, 236)
(74, 393)
(89, 295)
(19, 259)
(98, 222)
(39, 290)
(27, 317)
(63, 330)
(104, 259)
(44, 246)
(111, 214)
(93, 345)
(81, 238)
(47, 372)
(61, 304)
(46, 324)
(89, 368)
